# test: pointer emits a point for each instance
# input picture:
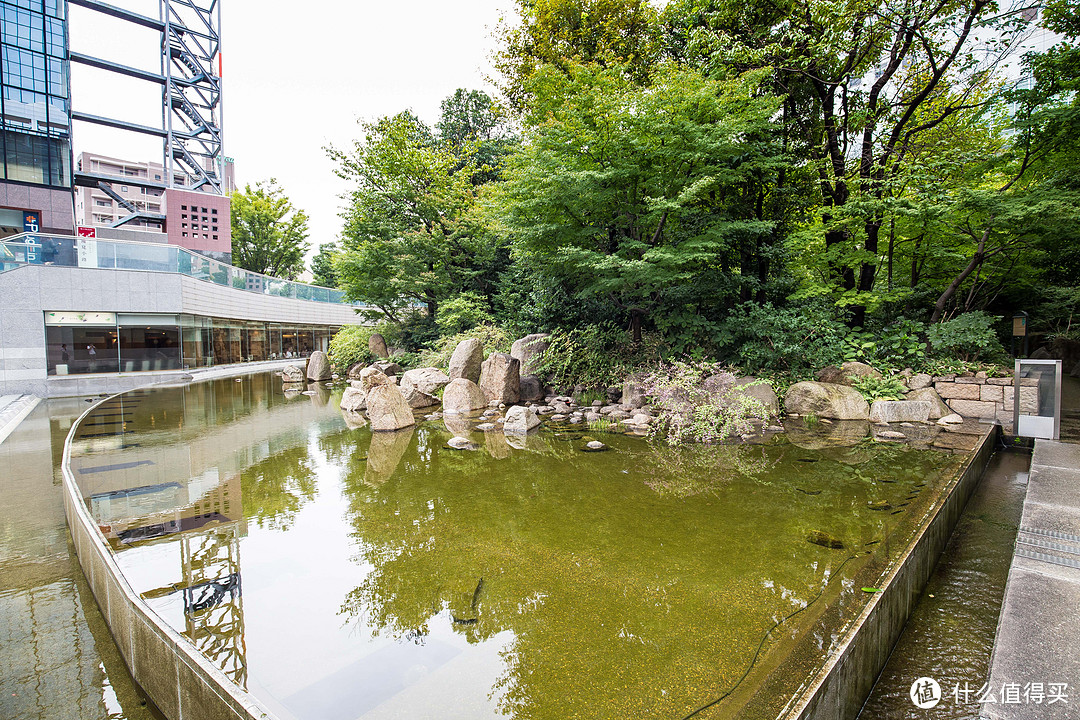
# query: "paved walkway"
(1038, 639)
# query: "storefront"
(101, 342)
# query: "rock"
(889, 435)
(377, 346)
(484, 427)
(387, 409)
(952, 419)
(354, 371)
(592, 417)
(1041, 354)
(894, 411)
(318, 367)
(353, 399)
(974, 408)
(530, 388)
(466, 360)
(642, 419)
(371, 377)
(520, 420)
(385, 453)
(500, 379)
(389, 368)
(427, 380)
(825, 540)
(759, 390)
(292, 374)
(460, 443)
(528, 350)
(632, 395)
(462, 396)
(846, 374)
(417, 399)
(558, 418)
(826, 400)
(595, 446)
(561, 407)
(353, 420)
(920, 381)
(614, 394)
(1075, 372)
(938, 408)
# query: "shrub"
(794, 340)
(897, 345)
(350, 346)
(883, 388)
(699, 402)
(598, 356)
(462, 313)
(438, 355)
(967, 337)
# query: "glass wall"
(75, 349)
(149, 342)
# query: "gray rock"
(427, 380)
(460, 443)
(938, 408)
(759, 390)
(826, 400)
(642, 419)
(520, 420)
(372, 377)
(416, 398)
(389, 368)
(353, 420)
(952, 419)
(920, 381)
(466, 360)
(387, 409)
(484, 427)
(528, 350)
(377, 346)
(354, 371)
(632, 395)
(595, 445)
(889, 435)
(463, 396)
(895, 411)
(292, 374)
(846, 374)
(500, 379)
(353, 399)
(592, 417)
(318, 367)
(530, 388)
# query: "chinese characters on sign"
(926, 693)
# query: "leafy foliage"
(268, 234)
(791, 339)
(969, 337)
(438, 355)
(350, 346)
(322, 266)
(880, 388)
(597, 356)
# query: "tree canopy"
(269, 235)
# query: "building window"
(123, 188)
(215, 237)
(214, 211)
(183, 207)
(183, 225)
(183, 234)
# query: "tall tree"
(322, 265)
(268, 234)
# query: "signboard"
(1019, 326)
(80, 318)
(88, 252)
(87, 232)
(32, 224)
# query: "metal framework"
(191, 99)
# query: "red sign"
(87, 232)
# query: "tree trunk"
(635, 324)
(976, 261)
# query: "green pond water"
(338, 573)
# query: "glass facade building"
(34, 92)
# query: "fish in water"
(825, 540)
(808, 492)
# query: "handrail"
(99, 253)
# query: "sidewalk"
(13, 408)
(1038, 638)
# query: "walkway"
(1039, 629)
(13, 408)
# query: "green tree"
(268, 234)
(638, 195)
(322, 265)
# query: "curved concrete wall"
(174, 675)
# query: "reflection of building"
(35, 167)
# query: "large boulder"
(920, 381)
(371, 377)
(462, 396)
(520, 420)
(353, 399)
(377, 346)
(500, 379)
(318, 367)
(292, 374)
(417, 398)
(387, 409)
(530, 389)
(389, 368)
(632, 394)
(528, 350)
(427, 380)
(938, 408)
(895, 411)
(846, 374)
(466, 360)
(759, 390)
(826, 400)
(354, 371)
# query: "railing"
(38, 249)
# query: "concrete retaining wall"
(174, 675)
(839, 690)
(975, 395)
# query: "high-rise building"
(35, 167)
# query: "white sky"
(297, 77)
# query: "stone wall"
(987, 398)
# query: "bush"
(699, 402)
(462, 313)
(883, 388)
(350, 346)
(438, 355)
(967, 337)
(793, 340)
(598, 356)
(898, 345)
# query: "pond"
(338, 573)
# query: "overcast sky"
(297, 76)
